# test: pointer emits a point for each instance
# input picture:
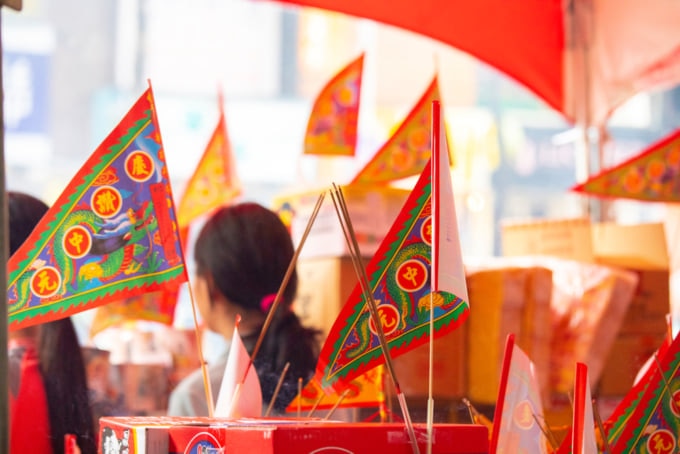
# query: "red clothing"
(28, 415)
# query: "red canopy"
(582, 57)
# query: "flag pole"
(348, 230)
(435, 166)
(277, 299)
(430, 361)
(434, 188)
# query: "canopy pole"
(4, 362)
(589, 147)
(4, 250)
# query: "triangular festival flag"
(214, 182)
(150, 307)
(515, 428)
(655, 422)
(365, 390)
(333, 121)
(399, 279)
(408, 149)
(620, 417)
(653, 175)
(110, 235)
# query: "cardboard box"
(639, 249)
(263, 436)
(324, 284)
(619, 375)
(372, 211)
(562, 238)
(506, 296)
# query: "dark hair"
(60, 358)
(247, 250)
(25, 211)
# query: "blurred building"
(70, 77)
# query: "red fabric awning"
(582, 57)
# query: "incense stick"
(204, 369)
(330, 412)
(316, 404)
(299, 401)
(286, 278)
(345, 221)
(663, 377)
(471, 411)
(547, 433)
(600, 426)
(277, 298)
(277, 389)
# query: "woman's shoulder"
(184, 397)
(189, 394)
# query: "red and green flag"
(112, 234)
(156, 307)
(399, 276)
(620, 417)
(654, 424)
(333, 122)
(408, 150)
(214, 183)
(366, 390)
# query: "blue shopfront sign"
(26, 79)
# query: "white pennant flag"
(248, 395)
(448, 272)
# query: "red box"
(133, 435)
(149, 435)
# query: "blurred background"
(72, 68)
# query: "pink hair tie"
(266, 302)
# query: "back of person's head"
(60, 357)
(24, 213)
(247, 250)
